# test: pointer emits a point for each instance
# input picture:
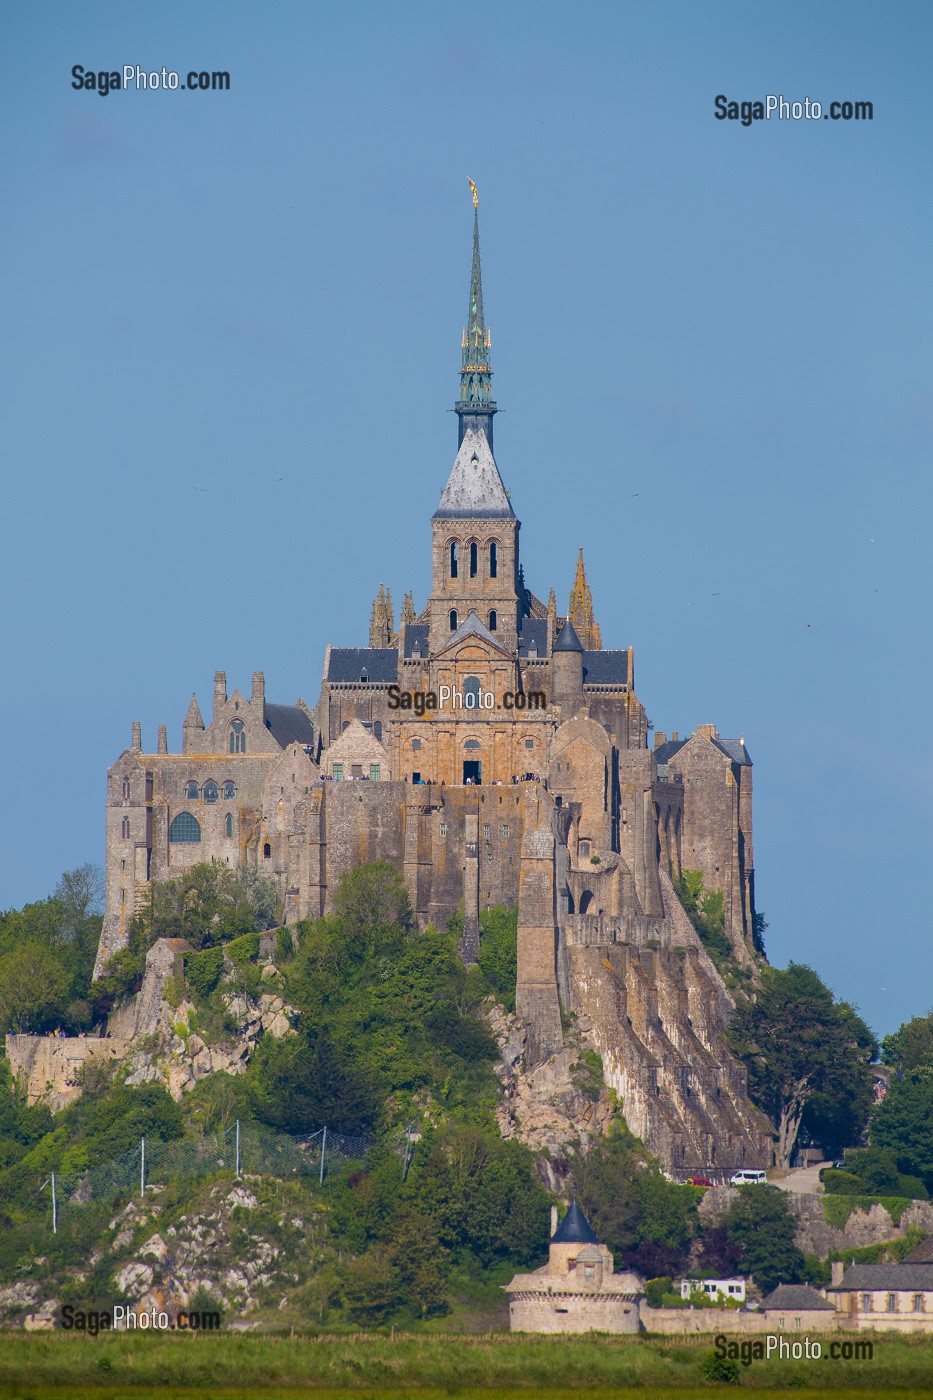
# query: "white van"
(749, 1178)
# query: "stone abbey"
(495, 752)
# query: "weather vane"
(475, 195)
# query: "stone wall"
(46, 1066)
(687, 1322)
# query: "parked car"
(837, 1166)
(699, 1181)
(749, 1177)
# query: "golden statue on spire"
(475, 195)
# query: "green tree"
(911, 1046)
(118, 1120)
(804, 1050)
(759, 1224)
(372, 904)
(47, 952)
(647, 1221)
(903, 1122)
(209, 904)
(305, 1082)
(35, 987)
(482, 1196)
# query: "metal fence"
(244, 1149)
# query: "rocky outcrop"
(157, 1041)
(815, 1236)
(557, 1107)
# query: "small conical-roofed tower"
(567, 668)
(573, 1236)
(475, 545)
(574, 1228)
(581, 610)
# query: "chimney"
(675, 736)
(553, 1220)
(259, 690)
(707, 730)
(220, 691)
(660, 738)
(837, 1269)
(137, 741)
(163, 739)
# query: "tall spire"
(580, 612)
(475, 406)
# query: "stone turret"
(567, 664)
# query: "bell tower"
(475, 530)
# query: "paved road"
(802, 1179)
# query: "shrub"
(837, 1209)
(655, 1289)
(722, 1370)
(284, 946)
(841, 1183)
(203, 971)
(243, 950)
(498, 952)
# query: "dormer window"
(364, 676)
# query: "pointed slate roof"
(574, 1228)
(568, 639)
(474, 490)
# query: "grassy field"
(496, 1367)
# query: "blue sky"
(711, 346)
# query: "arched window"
(493, 620)
(238, 737)
(185, 829)
(125, 833)
(191, 790)
(474, 555)
(493, 559)
(126, 789)
(472, 744)
(229, 791)
(453, 619)
(229, 824)
(453, 558)
(267, 851)
(471, 693)
(377, 729)
(209, 791)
